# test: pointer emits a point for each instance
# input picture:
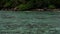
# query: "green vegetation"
(28, 4)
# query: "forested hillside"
(28, 4)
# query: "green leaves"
(22, 6)
(7, 4)
(27, 4)
(51, 6)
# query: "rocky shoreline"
(16, 9)
(46, 9)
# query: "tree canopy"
(28, 4)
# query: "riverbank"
(16, 9)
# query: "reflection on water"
(29, 22)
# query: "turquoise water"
(23, 22)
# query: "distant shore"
(15, 9)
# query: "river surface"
(24, 22)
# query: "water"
(23, 22)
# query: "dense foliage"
(29, 4)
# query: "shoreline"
(15, 9)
